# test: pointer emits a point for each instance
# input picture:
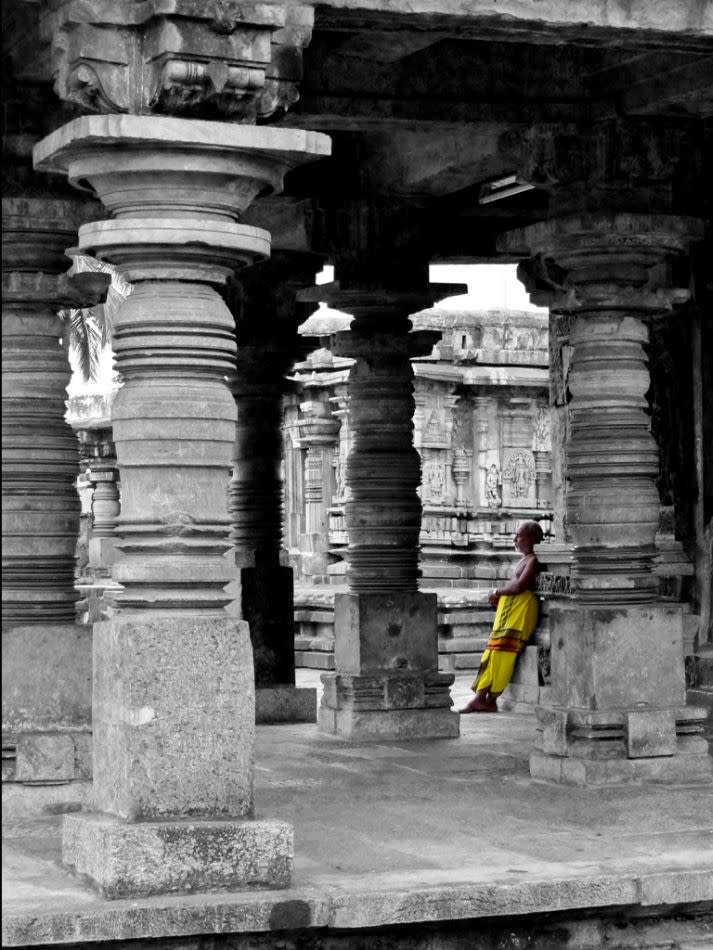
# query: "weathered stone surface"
(617, 657)
(231, 163)
(25, 802)
(619, 771)
(174, 717)
(285, 704)
(380, 631)
(391, 724)
(138, 860)
(39, 460)
(45, 757)
(46, 676)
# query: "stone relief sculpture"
(542, 439)
(493, 480)
(519, 472)
(433, 481)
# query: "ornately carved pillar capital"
(599, 270)
(214, 59)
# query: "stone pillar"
(46, 656)
(386, 682)
(268, 317)
(173, 675)
(618, 690)
(106, 507)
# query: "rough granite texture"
(385, 631)
(174, 718)
(613, 657)
(46, 676)
(140, 860)
(285, 704)
(434, 833)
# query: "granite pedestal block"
(382, 631)
(136, 860)
(174, 717)
(617, 711)
(285, 704)
(386, 684)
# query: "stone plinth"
(618, 710)
(172, 855)
(285, 704)
(173, 673)
(387, 685)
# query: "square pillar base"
(387, 684)
(388, 705)
(136, 860)
(693, 768)
(285, 704)
(627, 746)
(618, 712)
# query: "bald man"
(516, 618)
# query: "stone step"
(314, 661)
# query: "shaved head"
(533, 529)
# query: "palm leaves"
(91, 328)
(85, 341)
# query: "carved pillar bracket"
(611, 456)
(618, 711)
(383, 513)
(215, 59)
(173, 677)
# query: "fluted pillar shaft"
(40, 501)
(386, 682)
(618, 709)
(256, 487)
(267, 316)
(46, 656)
(173, 423)
(383, 472)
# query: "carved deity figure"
(493, 494)
(520, 473)
(542, 438)
(434, 482)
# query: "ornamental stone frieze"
(214, 59)
(629, 163)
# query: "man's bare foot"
(479, 704)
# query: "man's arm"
(520, 582)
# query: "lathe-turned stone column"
(46, 656)
(173, 675)
(618, 689)
(386, 682)
(268, 316)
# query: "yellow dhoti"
(515, 619)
